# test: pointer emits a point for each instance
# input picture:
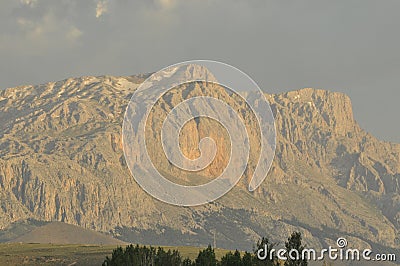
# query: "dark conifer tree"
(295, 248)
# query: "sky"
(350, 46)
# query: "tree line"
(151, 256)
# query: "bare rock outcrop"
(61, 159)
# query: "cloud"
(37, 29)
(46, 32)
(269, 39)
(25, 24)
(73, 34)
(101, 8)
(30, 3)
(166, 4)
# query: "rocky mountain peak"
(61, 159)
(331, 110)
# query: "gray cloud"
(30, 3)
(348, 46)
(101, 8)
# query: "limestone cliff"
(61, 159)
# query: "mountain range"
(61, 159)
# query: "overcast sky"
(340, 45)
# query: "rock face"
(61, 159)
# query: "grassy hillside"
(62, 233)
(19, 228)
(49, 254)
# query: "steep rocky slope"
(61, 159)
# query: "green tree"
(231, 259)
(206, 257)
(143, 256)
(294, 250)
(248, 259)
(167, 258)
(187, 262)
